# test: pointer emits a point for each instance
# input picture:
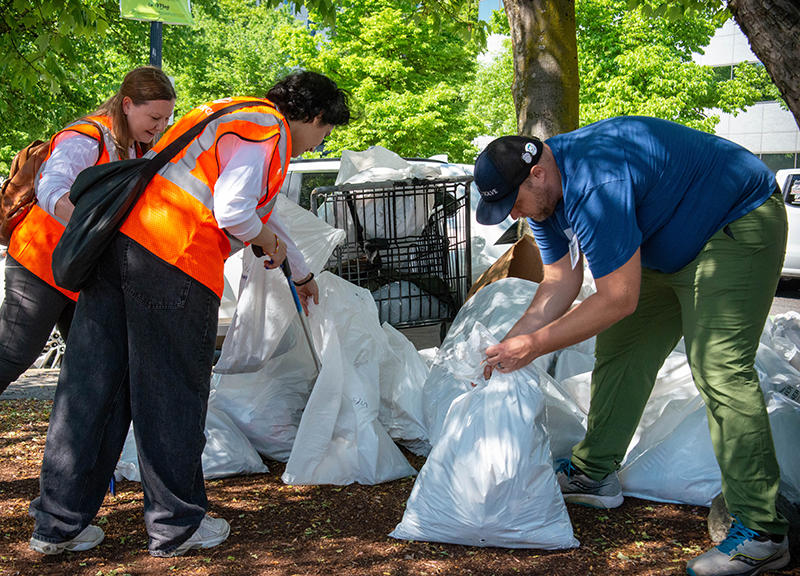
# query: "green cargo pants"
(719, 304)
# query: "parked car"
(789, 182)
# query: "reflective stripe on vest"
(174, 218)
(34, 239)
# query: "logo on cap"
(531, 147)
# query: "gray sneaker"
(744, 552)
(578, 488)
(89, 537)
(210, 533)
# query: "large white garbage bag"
(784, 333)
(497, 306)
(566, 422)
(404, 301)
(678, 463)
(488, 480)
(267, 405)
(265, 307)
(674, 460)
(340, 439)
(379, 216)
(227, 451)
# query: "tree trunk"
(545, 52)
(773, 29)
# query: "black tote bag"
(104, 196)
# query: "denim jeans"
(141, 349)
(29, 311)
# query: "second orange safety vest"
(174, 217)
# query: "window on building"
(754, 74)
(777, 162)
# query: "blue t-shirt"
(633, 181)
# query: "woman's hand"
(306, 292)
(274, 250)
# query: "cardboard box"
(522, 260)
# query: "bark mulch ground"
(332, 530)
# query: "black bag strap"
(160, 160)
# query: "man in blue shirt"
(685, 237)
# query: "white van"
(789, 182)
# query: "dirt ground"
(332, 530)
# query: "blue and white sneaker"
(744, 552)
(578, 488)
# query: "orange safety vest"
(174, 217)
(34, 239)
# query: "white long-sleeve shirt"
(236, 194)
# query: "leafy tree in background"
(491, 102)
(407, 80)
(771, 26)
(41, 66)
(232, 49)
(235, 48)
(83, 65)
(632, 64)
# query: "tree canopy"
(633, 64)
(407, 81)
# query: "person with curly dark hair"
(142, 343)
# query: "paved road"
(787, 298)
(41, 383)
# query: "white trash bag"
(227, 451)
(340, 439)
(674, 460)
(488, 480)
(265, 307)
(403, 374)
(497, 306)
(267, 405)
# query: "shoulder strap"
(160, 160)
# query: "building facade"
(766, 129)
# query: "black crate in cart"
(408, 243)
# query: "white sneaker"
(89, 537)
(210, 533)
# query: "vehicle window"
(792, 190)
(313, 180)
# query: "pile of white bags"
(379, 217)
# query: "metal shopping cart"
(408, 243)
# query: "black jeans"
(141, 349)
(30, 310)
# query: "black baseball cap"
(499, 170)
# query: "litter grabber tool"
(287, 271)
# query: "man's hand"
(511, 354)
(306, 292)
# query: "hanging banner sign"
(166, 11)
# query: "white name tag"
(574, 249)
